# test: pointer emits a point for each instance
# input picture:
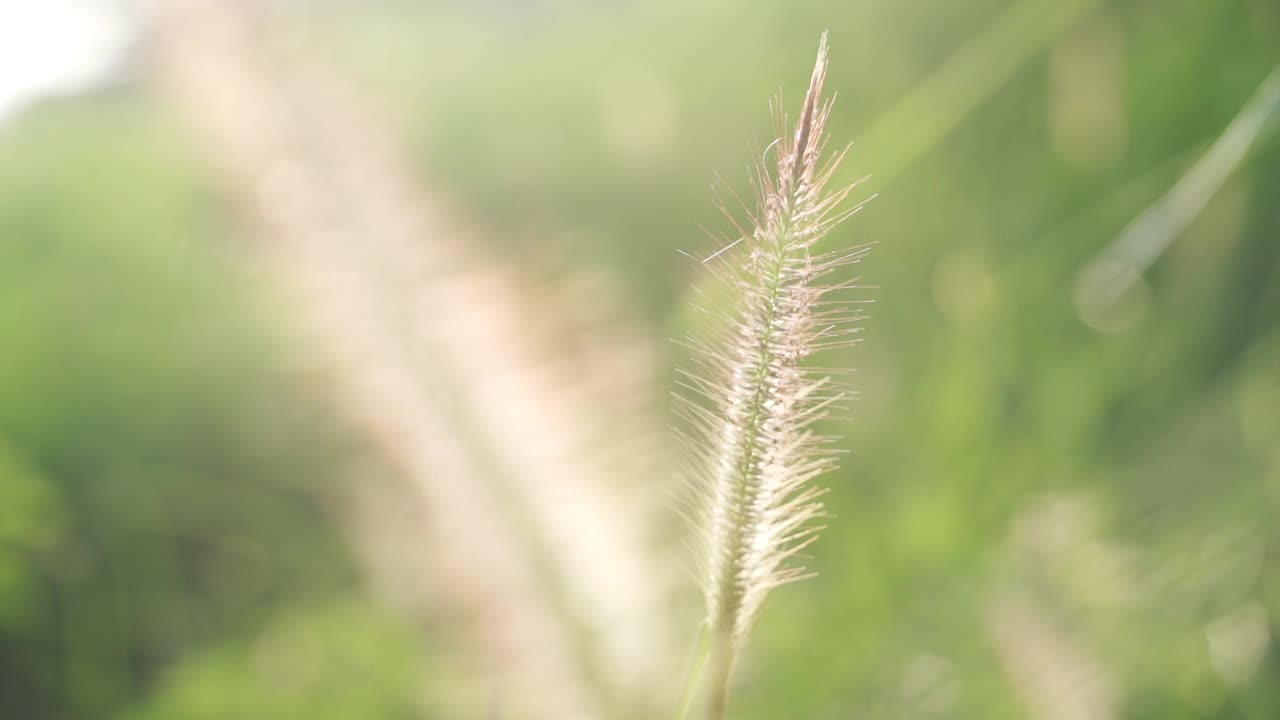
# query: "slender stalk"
(722, 670)
(697, 666)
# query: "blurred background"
(335, 360)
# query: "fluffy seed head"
(757, 451)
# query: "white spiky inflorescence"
(758, 451)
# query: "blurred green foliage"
(164, 545)
(160, 484)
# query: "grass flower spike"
(757, 450)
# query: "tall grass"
(756, 446)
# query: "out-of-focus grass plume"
(333, 349)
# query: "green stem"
(697, 665)
(722, 658)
